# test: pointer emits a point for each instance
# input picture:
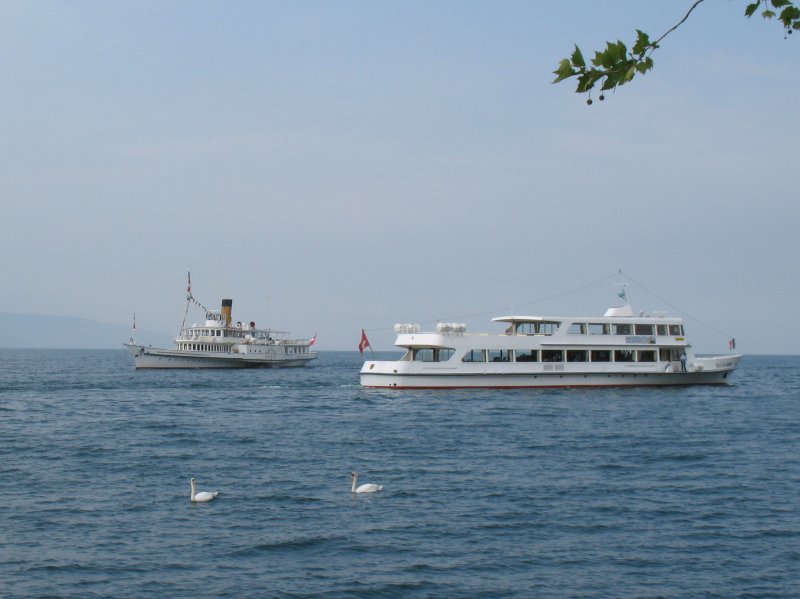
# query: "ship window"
(548, 328)
(219, 333)
(644, 329)
(538, 328)
(552, 355)
(474, 355)
(599, 328)
(601, 355)
(500, 355)
(577, 328)
(646, 355)
(525, 328)
(577, 355)
(623, 355)
(528, 355)
(623, 329)
(661, 329)
(675, 329)
(432, 354)
(423, 354)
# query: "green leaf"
(779, 3)
(767, 14)
(642, 43)
(644, 65)
(611, 56)
(587, 81)
(577, 58)
(789, 14)
(751, 9)
(564, 70)
(612, 81)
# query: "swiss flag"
(364, 343)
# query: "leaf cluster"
(617, 65)
(614, 66)
(789, 15)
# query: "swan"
(366, 487)
(202, 496)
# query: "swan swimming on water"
(202, 496)
(366, 487)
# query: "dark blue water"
(686, 492)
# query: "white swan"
(366, 487)
(202, 496)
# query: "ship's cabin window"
(442, 354)
(528, 355)
(599, 328)
(623, 355)
(601, 355)
(644, 329)
(675, 329)
(544, 327)
(646, 355)
(552, 355)
(661, 329)
(577, 328)
(577, 355)
(623, 329)
(474, 355)
(219, 333)
(500, 355)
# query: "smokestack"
(227, 305)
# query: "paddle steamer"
(219, 343)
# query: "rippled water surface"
(685, 492)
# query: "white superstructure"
(616, 349)
(220, 343)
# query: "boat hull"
(401, 375)
(150, 357)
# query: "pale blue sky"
(338, 165)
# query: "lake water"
(674, 492)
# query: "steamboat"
(220, 343)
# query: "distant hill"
(65, 332)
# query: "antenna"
(622, 285)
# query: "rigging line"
(512, 308)
(536, 301)
(686, 314)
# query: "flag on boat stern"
(313, 340)
(364, 343)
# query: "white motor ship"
(220, 343)
(616, 349)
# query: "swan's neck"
(355, 481)
(193, 490)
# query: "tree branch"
(616, 65)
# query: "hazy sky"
(337, 165)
